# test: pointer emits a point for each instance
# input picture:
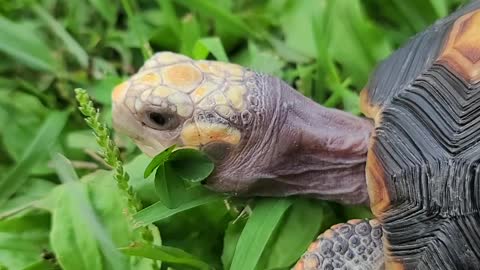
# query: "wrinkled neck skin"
(300, 148)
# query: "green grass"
(78, 219)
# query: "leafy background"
(51, 219)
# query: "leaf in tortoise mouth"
(174, 169)
(158, 160)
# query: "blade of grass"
(211, 45)
(440, 7)
(67, 174)
(165, 254)
(24, 45)
(40, 265)
(171, 16)
(144, 45)
(212, 10)
(190, 33)
(159, 211)
(107, 9)
(260, 226)
(71, 44)
(46, 137)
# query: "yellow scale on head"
(203, 133)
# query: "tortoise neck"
(322, 152)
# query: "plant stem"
(109, 151)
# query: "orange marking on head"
(119, 91)
(150, 78)
(462, 49)
(203, 133)
(182, 76)
(203, 66)
(200, 91)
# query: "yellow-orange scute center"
(202, 133)
(119, 91)
(462, 49)
(183, 77)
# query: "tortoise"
(414, 158)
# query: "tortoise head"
(175, 100)
(250, 124)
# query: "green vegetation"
(67, 202)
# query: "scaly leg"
(355, 245)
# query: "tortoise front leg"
(355, 245)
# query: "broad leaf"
(89, 222)
(158, 160)
(171, 189)
(191, 165)
(23, 239)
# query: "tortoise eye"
(158, 118)
(161, 120)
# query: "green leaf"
(191, 165)
(71, 44)
(223, 16)
(304, 221)
(170, 188)
(158, 211)
(89, 223)
(165, 254)
(29, 114)
(190, 33)
(107, 9)
(264, 61)
(40, 265)
(145, 190)
(23, 239)
(440, 7)
(259, 228)
(212, 45)
(26, 197)
(232, 234)
(357, 212)
(135, 23)
(36, 151)
(170, 16)
(102, 90)
(24, 44)
(78, 237)
(158, 160)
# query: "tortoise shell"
(423, 165)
